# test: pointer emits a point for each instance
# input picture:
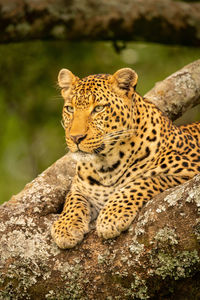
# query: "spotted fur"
(128, 152)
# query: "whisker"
(117, 135)
(56, 98)
(62, 123)
(120, 132)
(99, 149)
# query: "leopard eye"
(98, 108)
(69, 108)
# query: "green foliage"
(30, 105)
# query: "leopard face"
(97, 109)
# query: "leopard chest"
(97, 187)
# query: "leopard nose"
(78, 138)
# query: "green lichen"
(167, 261)
(197, 230)
(66, 293)
(136, 248)
(194, 196)
(175, 196)
(131, 287)
(101, 259)
(166, 236)
(138, 289)
(106, 257)
(181, 265)
(23, 278)
(70, 273)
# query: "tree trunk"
(163, 21)
(157, 258)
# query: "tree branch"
(163, 21)
(158, 257)
(178, 92)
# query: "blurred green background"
(31, 136)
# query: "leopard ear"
(125, 78)
(66, 78)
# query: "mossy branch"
(163, 21)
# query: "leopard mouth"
(81, 155)
(97, 150)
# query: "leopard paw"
(110, 227)
(107, 231)
(67, 236)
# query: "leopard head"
(98, 109)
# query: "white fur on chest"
(81, 156)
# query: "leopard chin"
(82, 156)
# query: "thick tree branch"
(163, 21)
(158, 258)
(178, 92)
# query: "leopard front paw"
(111, 227)
(107, 231)
(68, 236)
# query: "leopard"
(127, 152)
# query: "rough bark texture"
(163, 21)
(178, 92)
(157, 258)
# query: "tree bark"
(163, 21)
(157, 258)
(178, 92)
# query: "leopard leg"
(122, 207)
(73, 222)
